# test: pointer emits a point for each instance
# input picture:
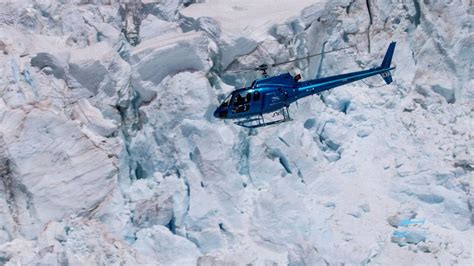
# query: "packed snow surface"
(109, 153)
(247, 16)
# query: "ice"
(239, 17)
(167, 55)
(159, 242)
(93, 118)
(152, 27)
(403, 238)
(110, 154)
(243, 24)
(58, 145)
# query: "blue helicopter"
(275, 94)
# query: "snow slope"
(247, 18)
(109, 153)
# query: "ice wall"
(109, 153)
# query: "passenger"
(297, 77)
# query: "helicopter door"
(275, 99)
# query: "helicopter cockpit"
(241, 102)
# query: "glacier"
(109, 153)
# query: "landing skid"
(277, 117)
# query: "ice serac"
(39, 141)
(241, 26)
(72, 241)
(93, 119)
(170, 249)
(167, 55)
(183, 96)
(97, 71)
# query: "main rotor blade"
(260, 67)
(240, 70)
(311, 55)
(286, 62)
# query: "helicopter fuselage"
(270, 94)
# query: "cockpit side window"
(247, 98)
(256, 96)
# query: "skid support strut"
(278, 117)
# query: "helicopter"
(275, 94)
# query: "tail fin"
(387, 60)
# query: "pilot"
(238, 100)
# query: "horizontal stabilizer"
(387, 61)
(387, 76)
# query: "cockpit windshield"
(226, 102)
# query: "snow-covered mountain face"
(109, 153)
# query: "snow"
(156, 58)
(242, 25)
(247, 18)
(109, 153)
